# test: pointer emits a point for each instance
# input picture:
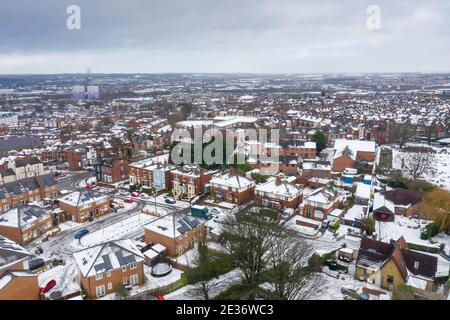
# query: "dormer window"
(416, 265)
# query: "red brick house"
(232, 188)
(278, 194)
(348, 152)
(112, 170)
(319, 203)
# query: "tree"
(320, 139)
(203, 272)
(418, 163)
(247, 238)
(400, 132)
(289, 273)
(266, 250)
(368, 225)
(437, 204)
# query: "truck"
(201, 212)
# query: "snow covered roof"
(85, 197)
(107, 256)
(11, 252)
(282, 188)
(28, 214)
(322, 195)
(354, 146)
(233, 181)
(165, 225)
(363, 191)
(380, 201)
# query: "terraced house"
(232, 188)
(25, 223)
(278, 194)
(28, 190)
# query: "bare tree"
(266, 250)
(289, 273)
(417, 164)
(401, 133)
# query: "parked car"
(128, 200)
(89, 186)
(49, 286)
(150, 296)
(352, 293)
(144, 196)
(325, 224)
(123, 193)
(81, 233)
(170, 201)
(36, 264)
(135, 195)
(58, 262)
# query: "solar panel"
(193, 223)
(183, 229)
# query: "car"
(153, 297)
(123, 193)
(144, 196)
(135, 195)
(128, 200)
(58, 262)
(352, 293)
(170, 201)
(49, 286)
(81, 233)
(89, 186)
(36, 264)
(325, 224)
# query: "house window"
(390, 279)
(100, 290)
(133, 266)
(109, 285)
(124, 268)
(125, 281)
(99, 276)
(134, 279)
(108, 273)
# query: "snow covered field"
(440, 174)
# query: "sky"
(224, 36)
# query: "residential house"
(389, 265)
(351, 153)
(232, 188)
(277, 193)
(176, 232)
(83, 205)
(105, 268)
(320, 203)
(190, 181)
(25, 223)
(407, 202)
(16, 281)
(110, 170)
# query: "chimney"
(278, 180)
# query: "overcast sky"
(261, 36)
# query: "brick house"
(232, 188)
(25, 223)
(187, 232)
(105, 268)
(153, 172)
(110, 170)
(27, 190)
(319, 203)
(16, 281)
(388, 265)
(84, 205)
(407, 202)
(349, 152)
(279, 194)
(189, 181)
(316, 169)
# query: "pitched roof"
(404, 197)
(11, 252)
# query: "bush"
(429, 231)
(419, 247)
(335, 226)
(315, 262)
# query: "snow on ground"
(162, 200)
(119, 230)
(445, 239)
(403, 226)
(188, 258)
(331, 289)
(66, 278)
(441, 164)
(219, 285)
(68, 225)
